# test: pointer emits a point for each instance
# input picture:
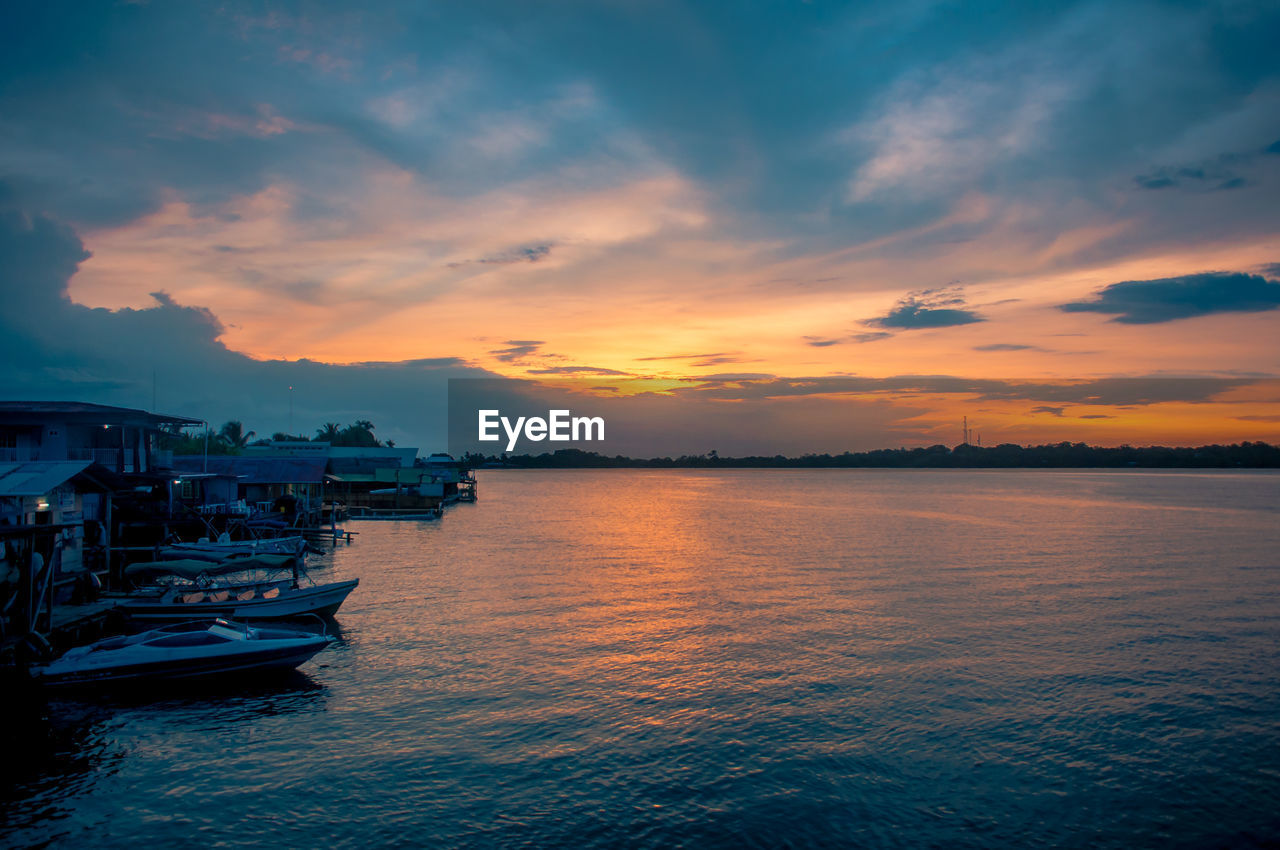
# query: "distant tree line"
(232, 438)
(1006, 456)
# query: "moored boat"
(224, 547)
(262, 600)
(202, 589)
(182, 651)
(390, 514)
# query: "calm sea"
(735, 659)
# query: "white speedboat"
(183, 651)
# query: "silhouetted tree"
(233, 434)
(358, 435)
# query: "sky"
(816, 226)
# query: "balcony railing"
(109, 458)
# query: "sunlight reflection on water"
(728, 658)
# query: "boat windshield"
(188, 639)
(188, 626)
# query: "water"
(736, 659)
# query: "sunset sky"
(867, 220)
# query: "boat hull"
(406, 517)
(255, 659)
(324, 600)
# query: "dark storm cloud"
(1142, 302)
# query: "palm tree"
(358, 435)
(329, 433)
(233, 434)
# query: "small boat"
(388, 514)
(203, 589)
(182, 651)
(225, 547)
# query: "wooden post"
(106, 541)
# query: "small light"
(42, 504)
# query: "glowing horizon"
(1056, 198)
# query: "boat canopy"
(192, 569)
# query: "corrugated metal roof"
(81, 410)
(359, 465)
(258, 470)
(37, 477)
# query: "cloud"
(1004, 346)
(376, 184)
(720, 361)
(1132, 391)
(1219, 173)
(517, 349)
(527, 254)
(1097, 416)
(870, 336)
(1044, 408)
(935, 134)
(1142, 302)
(685, 356)
(575, 370)
(927, 308)
(52, 348)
